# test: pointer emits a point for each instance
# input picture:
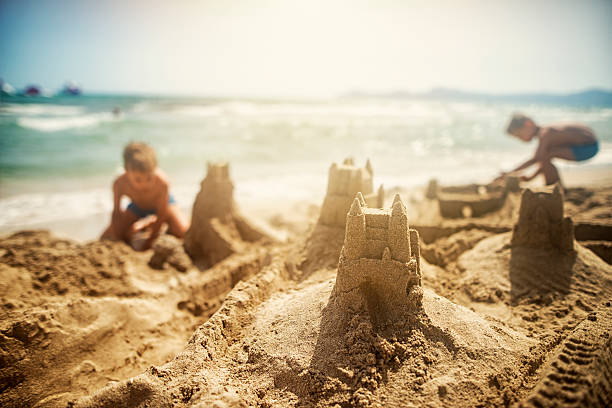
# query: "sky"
(307, 48)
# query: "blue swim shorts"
(141, 213)
(585, 152)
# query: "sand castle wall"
(217, 228)
(379, 264)
(478, 199)
(541, 223)
(346, 180)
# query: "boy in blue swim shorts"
(148, 188)
(572, 141)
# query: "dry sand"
(478, 319)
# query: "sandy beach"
(296, 204)
(502, 309)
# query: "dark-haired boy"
(571, 141)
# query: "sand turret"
(541, 223)
(217, 228)
(345, 181)
(379, 264)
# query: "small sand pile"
(217, 228)
(168, 249)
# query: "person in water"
(148, 188)
(572, 141)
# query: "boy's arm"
(538, 156)
(528, 163)
(117, 193)
(162, 211)
(529, 178)
(543, 147)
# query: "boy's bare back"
(566, 134)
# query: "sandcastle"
(346, 180)
(217, 228)
(380, 261)
(541, 223)
(472, 200)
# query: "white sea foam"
(408, 142)
(36, 208)
(375, 109)
(54, 124)
(41, 109)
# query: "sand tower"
(379, 264)
(541, 223)
(346, 180)
(217, 228)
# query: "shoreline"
(89, 227)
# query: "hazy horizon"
(53, 90)
(293, 48)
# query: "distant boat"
(6, 89)
(32, 90)
(72, 88)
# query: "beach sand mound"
(218, 229)
(75, 317)
(579, 372)
(169, 250)
(544, 280)
(59, 267)
(345, 317)
(319, 342)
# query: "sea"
(59, 155)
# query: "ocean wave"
(64, 123)
(30, 209)
(376, 109)
(41, 109)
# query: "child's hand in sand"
(144, 224)
(147, 244)
(526, 178)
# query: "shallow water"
(58, 156)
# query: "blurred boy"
(147, 186)
(573, 142)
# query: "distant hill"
(590, 97)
